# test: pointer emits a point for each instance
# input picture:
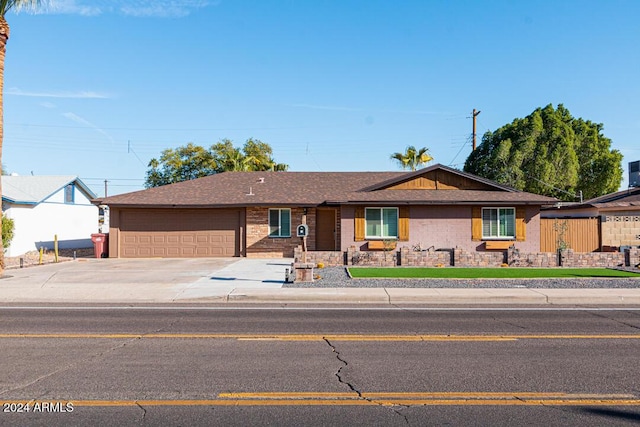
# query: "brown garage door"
(183, 233)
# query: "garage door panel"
(127, 239)
(182, 233)
(173, 252)
(158, 239)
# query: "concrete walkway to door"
(246, 273)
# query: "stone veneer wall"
(569, 258)
(462, 258)
(372, 258)
(260, 245)
(634, 257)
(513, 257)
(424, 258)
(328, 258)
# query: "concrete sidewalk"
(251, 281)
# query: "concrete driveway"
(140, 280)
(242, 281)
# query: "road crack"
(388, 296)
(144, 411)
(48, 279)
(602, 316)
(68, 367)
(353, 388)
(495, 319)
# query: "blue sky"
(96, 88)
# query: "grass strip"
(485, 273)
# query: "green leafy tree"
(255, 155)
(412, 158)
(193, 161)
(6, 6)
(551, 153)
(8, 226)
(228, 158)
(182, 164)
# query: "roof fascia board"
(437, 203)
(17, 202)
(208, 206)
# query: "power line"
(178, 129)
(460, 151)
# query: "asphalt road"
(222, 366)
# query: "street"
(318, 366)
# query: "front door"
(326, 230)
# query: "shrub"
(8, 227)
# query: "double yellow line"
(377, 398)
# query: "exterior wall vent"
(634, 174)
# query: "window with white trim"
(498, 223)
(381, 223)
(279, 222)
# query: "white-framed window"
(498, 223)
(381, 223)
(279, 222)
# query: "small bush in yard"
(8, 227)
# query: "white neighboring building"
(45, 206)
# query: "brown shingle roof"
(306, 189)
(621, 199)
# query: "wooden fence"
(579, 234)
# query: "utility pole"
(105, 187)
(475, 114)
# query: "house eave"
(203, 206)
(435, 203)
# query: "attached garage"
(179, 233)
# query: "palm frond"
(18, 5)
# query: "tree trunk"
(4, 36)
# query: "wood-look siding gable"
(440, 180)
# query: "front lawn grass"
(484, 273)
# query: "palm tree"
(412, 158)
(6, 6)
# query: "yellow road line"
(321, 337)
(421, 395)
(347, 402)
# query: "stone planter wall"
(328, 258)
(462, 258)
(372, 258)
(406, 257)
(569, 258)
(424, 258)
(515, 258)
(634, 257)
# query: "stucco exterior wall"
(443, 227)
(36, 226)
